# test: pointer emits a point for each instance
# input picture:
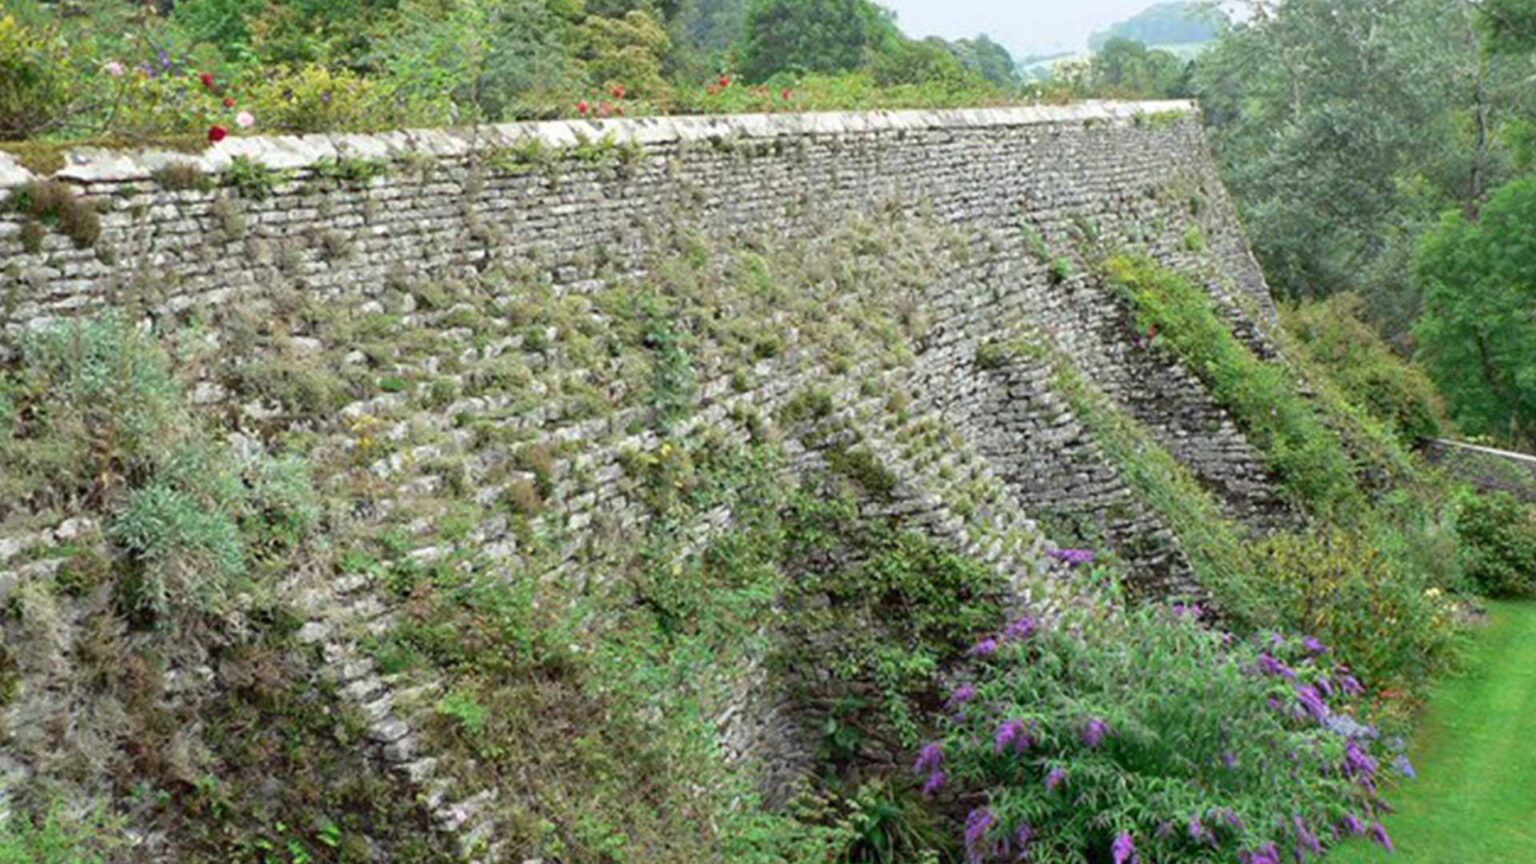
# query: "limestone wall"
(422, 268)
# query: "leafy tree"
(702, 33)
(1345, 127)
(1476, 333)
(929, 60)
(1511, 24)
(1130, 70)
(811, 36)
(627, 51)
(987, 59)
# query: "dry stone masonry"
(289, 253)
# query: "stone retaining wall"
(233, 240)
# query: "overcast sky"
(1023, 26)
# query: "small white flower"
(245, 120)
(114, 68)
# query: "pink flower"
(618, 91)
(582, 108)
(114, 68)
(244, 120)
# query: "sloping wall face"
(458, 288)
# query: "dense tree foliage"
(124, 69)
(1477, 332)
(1127, 69)
(812, 36)
(1346, 129)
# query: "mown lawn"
(1475, 799)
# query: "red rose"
(228, 102)
(784, 94)
(217, 133)
(725, 81)
(619, 91)
(581, 108)
(207, 79)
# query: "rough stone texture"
(977, 455)
(1485, 467)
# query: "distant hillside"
(1177, 23)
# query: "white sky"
(1023, 26)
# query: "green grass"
(1476, 790)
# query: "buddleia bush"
(1142, 735)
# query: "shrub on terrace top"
(1354, 355)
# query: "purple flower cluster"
(1011, 736)
(1020, 630)
(985, 648)
(977, 824)
(1266, 854)
(1095, 731)
(961, 695)
(1124, 850)
(1312, 702)
(930, 761)
(1269, 665)
(1072, 557)
(1055, 778)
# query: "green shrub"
(188, 552)
(1374, 589)
(95, 403)
(351, 172)
(100, 426)
(1389, 623)
(314, 98)
(281, 506)
(1498, 543)
(52, 839)
(891, 621)
(252, 179)
(1353, 354)
(864, 467)
(35, 80)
